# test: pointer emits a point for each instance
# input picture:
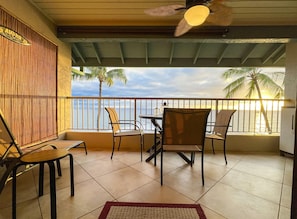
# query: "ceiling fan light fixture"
(196, 15)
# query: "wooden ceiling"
(118, 32)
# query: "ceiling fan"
(196, 13)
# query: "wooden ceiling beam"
(76, 49)
(198, 50)
(248, 52)
(250, 34)
(95, 47)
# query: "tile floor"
(252, 185)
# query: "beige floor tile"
(288, 176)
(218, 158)
(80, 157)
(271, 160)
(92, 215)
(123, 181)
(286, 196)
(187, 180)
(26, 190)
(148, 169)
(102, 167)
(88, 197)
(154, 192)
(255, 169)
(211, 214)
(254, 185)
(289, 165)
(284, 213)
(233, 204)
(26, 209)
(248, 187)
(215, 172)
(127, 157)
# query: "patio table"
(158, 129)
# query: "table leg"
(154, 148)
(71, 175)
(14, 192)
(41, 176)
(183, 156)
(53, 189)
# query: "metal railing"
(82, 113)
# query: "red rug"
(134, 210)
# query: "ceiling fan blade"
(220, 14)
(164, 10)
(182, 28)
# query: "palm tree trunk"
(262, 109)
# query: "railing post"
(135, 114)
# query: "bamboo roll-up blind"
(28, 83)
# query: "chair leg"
(59, 167)
(155, 147)
(161, 166)
(202, 165)
(212, 146)
(141, 146)
(194, 155)
(113, 145)
(119, 143)
(192, 158)
(85, 146)
(225, 152)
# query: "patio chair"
(220, 129)
(12, 157)
(117, 132)
(184, 132)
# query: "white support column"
(291, 74)
(288, 114)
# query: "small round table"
(42, 157)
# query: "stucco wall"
(235, 143)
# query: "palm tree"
(104, 76)
(76, 72)
(252, 78)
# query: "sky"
(162, 82)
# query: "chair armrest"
(137, 124)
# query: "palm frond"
(234, 72)
(234, 86)
(269, 83)
(77, 72)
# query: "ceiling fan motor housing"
(191, 3)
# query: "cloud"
(161, 82)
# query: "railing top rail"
(171, 98)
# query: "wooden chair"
(117, 132)
(220, 129)
(12, 157)
(184, 131)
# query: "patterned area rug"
(134, 210)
